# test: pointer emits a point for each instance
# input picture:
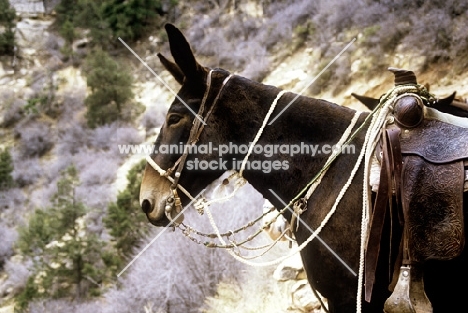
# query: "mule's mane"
(245, 103)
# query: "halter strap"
(195, 132)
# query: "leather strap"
(390, 182)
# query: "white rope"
(335, 152)
(378, 122)
(260, 131)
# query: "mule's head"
(156, 189)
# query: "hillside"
(44, 125)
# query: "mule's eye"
(173, 119)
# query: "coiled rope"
(381, 116)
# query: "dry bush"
(255, 292)
(9, 236)
(17, 276)
(26, 171)
(12, 108)
(64, 305)
(35, 138)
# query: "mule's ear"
(447, 101)
(173, 68)
(451, 105)
(182, 53)
(369, 102)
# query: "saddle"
(432, 180)
(422, 161)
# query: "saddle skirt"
(433, 177)
(435, 141)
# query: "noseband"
(173, 203)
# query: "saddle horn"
(403, 77)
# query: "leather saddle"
(422, 161)
(432, 180)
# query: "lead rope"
(260, 131)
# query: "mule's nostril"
(147, 206)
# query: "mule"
(233, 110)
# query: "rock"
(6, 75)
(28, 8)
(7, 309)
(31, 36)
(303, 298)
(291, 273)
(80, 44)
(289, 269)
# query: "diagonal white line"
(162, 81)
(312, 231)
(313, 80)
(158, 235)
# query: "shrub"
(11, 205)
(63, 305)
(124, 220)
(43, 99)
(67, 257)
(97, 196)
(41, 197)
(7, 38)
(100, 169)
(66, 10)
(67, 31)
(129, 19)
(111, 90)
(108, 19)
(72, 138)
(107, 137)
(6, 169)
(152, 118)
(96, 167)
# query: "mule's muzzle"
(162, 222)
(154, 211)
(147, 206)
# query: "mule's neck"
(307, 124)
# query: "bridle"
(173, 202)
